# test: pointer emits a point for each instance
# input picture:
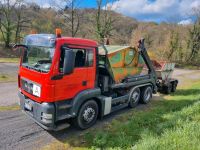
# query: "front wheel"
(87, 115)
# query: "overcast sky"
(179, 11)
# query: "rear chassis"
(163, 86)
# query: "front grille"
(27, 86)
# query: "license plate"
(28, 106)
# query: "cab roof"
(78, 41)
(48, 39)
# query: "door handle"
(84, 83)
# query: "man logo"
(36, 90)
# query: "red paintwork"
(70, 85)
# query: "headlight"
(46, 118)
(36, 90)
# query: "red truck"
(63, 80)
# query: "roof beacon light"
(33, 31)
(58, 32)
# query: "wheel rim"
(135, 96)
(147, 95)
(88, 114)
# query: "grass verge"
(7, 78)
(9, 60)
(173, 122)
(12, 107)
(188, 66)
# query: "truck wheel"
(134, 97)
(174, 85)
(146, 95)
(87, 115)
(168, 89)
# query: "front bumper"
(43, 114)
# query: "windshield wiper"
(40, 70)
(33, 68)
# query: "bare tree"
(70, 14)
(174, 44)
(104, 21)
(148, 41)
(11, 20)
(193, 42)
(6, 22)
(22, 21)
(194, 36)
(196, 13)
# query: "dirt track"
(17, 131)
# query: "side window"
(80, 58)
(61, 61)
(90, 58)
(83, 58)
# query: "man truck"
(65, 80)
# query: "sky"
(178, 11)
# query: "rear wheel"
(134, 97)
(146, 95)
(174, 85)
(87, 115)
(168, 89)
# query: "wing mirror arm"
(19, 45)
(68, 63)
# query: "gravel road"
(8, 91)
(8, 94)
(8, 68)
(17, 131)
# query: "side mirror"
(17, 46)
(69, 59)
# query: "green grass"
(12, 107)
(7, 78)
(188, 66)
(9, 60)
(181, 130)
(171, 123)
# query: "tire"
(146, 95)
(174, 85)
(168, 89)
(134, 97)
(87, 115)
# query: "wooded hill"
(179, 43)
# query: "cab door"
(82, 77)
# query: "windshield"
(38, 58)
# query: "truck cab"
(63, 80)
(45, 87)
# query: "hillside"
(46, 20)
(167, 41)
